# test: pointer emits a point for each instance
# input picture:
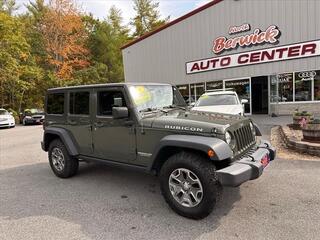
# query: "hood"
(5, 116)
(191, 121)
(225, 109)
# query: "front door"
(79, 120)
(113, 139)
(259, 89)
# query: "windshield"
(3, 112)
(33, 111)
(155, 96)
(216, 100)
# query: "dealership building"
(267, 50)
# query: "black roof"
(103, 85)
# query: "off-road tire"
(205, 171)
(71, 164)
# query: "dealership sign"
(287, 52)
(270, 35)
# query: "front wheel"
(62, 164)
(189, 184)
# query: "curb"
(301, 147)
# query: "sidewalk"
(266, 122)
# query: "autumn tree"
(65, 37)
(147, 17)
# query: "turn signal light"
(211, 153)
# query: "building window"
(214, 85)
(281, 87)
(79, 103)
(185, 92)
(55, 103)
(317, 86)
(303, 85)
(200, 89)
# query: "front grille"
(244, 138)
(3, 119)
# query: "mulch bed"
(289, 144)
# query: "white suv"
(220, 101)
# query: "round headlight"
(230, 140)
(228, 137)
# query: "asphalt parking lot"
(112, 203)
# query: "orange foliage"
(64, 35)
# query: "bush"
(303, 113)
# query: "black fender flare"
(65, 137)
(199, 143)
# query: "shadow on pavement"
(103, 202)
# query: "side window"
(79, 103)
(55, 103)
(109, 99)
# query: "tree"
(147, 17)
(8, 6)
(13, 52)
(65, 37)
(105, 41)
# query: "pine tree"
(147, 17)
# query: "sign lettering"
(293, 51)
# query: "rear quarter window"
(55, 103)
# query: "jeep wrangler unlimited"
(149, 127)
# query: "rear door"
(79, 120)
(114, 139)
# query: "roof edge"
(214, 2)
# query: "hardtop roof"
(103, 85)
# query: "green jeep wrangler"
(149, 127)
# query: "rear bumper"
(247, 168)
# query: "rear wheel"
(62, 164)
(189, 184)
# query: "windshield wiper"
(152, 109)
(175, 106)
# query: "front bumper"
(247, 168)
(7, 123)
(33, 120)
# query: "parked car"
(32, 116)
(6, 119)
(226, 102)
(149, 127)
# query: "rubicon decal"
(184, 128)
(271, 35)
(293, 51)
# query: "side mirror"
(120, 112)
(244, 101)
(11, 113)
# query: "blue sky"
(99, 8)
